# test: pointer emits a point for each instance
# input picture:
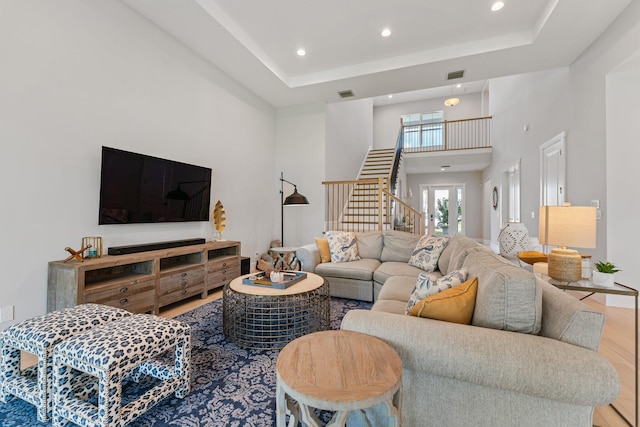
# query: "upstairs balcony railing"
(447, 135)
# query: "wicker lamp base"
(565, 265)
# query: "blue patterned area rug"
(231, 386)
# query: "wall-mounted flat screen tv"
(136, 188)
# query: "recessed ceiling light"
(390, 96)
(458, 85)
(386, 32)
(301, 52)
(497, 6)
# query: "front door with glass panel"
(442, 206)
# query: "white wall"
(301, 156)
(541, 101)
(598, 80)
(77, 75)
(349, 136)
(582, 101)
(623, 174)
(386, 118)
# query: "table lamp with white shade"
(565, 226)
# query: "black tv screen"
(135, 188)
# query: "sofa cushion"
(397, 288)
(398, 246)
(427, 251)
(369, 244)
(509, 297)
(445, 256)
(361, 270)
(343, 246)
(391, 268)
(453, 305)
(323, 247)
(456, 250)
(428, 285)
(389, 306)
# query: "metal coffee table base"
(272, 321)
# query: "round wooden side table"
(341, 371)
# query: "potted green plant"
(604, 274)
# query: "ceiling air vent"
(455, 75)
(345, 94)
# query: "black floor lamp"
(294, 199)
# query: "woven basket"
(565, 265)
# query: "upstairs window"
(423, 130)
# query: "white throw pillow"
(428, 285)
(425, 255)
(342, 245)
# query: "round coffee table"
(267, 318)
(340, 371)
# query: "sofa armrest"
(567, 319)
(309, 257)
(511, 361)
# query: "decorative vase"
(513, 238)
(603, 279)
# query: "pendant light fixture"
(450, 102)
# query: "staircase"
(378, 164)
(368, 203)
(362, 211)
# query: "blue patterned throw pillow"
(428, 285)
(342, 245)
(425, 255)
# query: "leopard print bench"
(112, 352)
(38, 336)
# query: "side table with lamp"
(565, 226)
(575, 226)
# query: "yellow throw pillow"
(323, 246)
(453, 305)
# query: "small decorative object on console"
(219, 217)
(75, 254)
(94, 244)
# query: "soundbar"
(145, 247)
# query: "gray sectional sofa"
(383, 255)
(529, 358)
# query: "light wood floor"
(616, 345)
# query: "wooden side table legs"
(355, 376)
(300, 413)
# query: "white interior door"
(552, 171)
(510, 194)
